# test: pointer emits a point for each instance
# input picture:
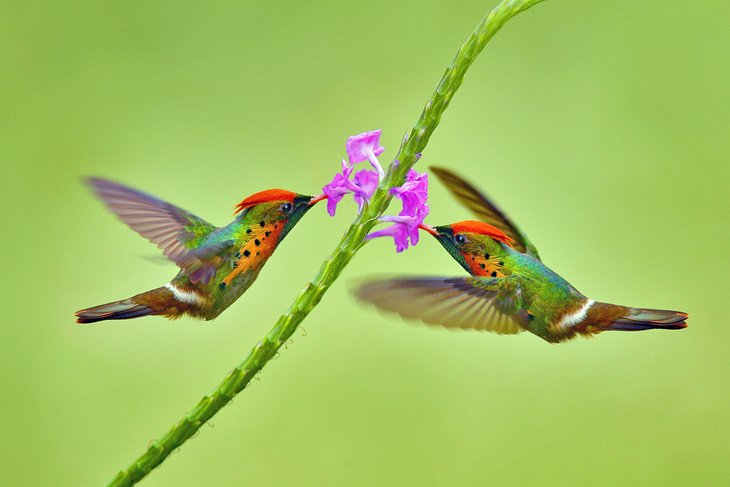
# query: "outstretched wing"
(481, 206)
(493, 304)
(172, 229)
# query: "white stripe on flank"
(576, 317)
(190, 297)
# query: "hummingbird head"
(470, 242)
(277, 205)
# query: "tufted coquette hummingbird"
(510, 290)
(217, 264)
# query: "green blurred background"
(602, 128)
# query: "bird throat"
(262, 239)
(484, 265)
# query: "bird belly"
(554, 306)
(223, 298)
(207, 301)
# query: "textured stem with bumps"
(413, 144)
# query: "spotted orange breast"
(252, 255)
(484, 265)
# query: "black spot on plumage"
(262, 223)
(482, 265)
(494, 274)
(486, 255)
(258, 253)
(267, 233)
(246, 253)
(530, 316)
(222, 285)
(501, 262)
(257, 242)
(238, 254)
(248, 230)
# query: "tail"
(118, 310)
(638, 319)
(605, 316)
(158, 301)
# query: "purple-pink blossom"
(413, 195)
(363, 184)
(367, 181)
(366, 147)
(404, 229)
(362, 147)
(414, 191)
(338, 187)
(399, 231)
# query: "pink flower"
(362, 147)
(367, 181)
(404, 229)
(413, 195)
(399, 232)
(336, 189)
(362, 187)
(366, 147)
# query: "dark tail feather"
(118, 310)
(160, 301)
(637, 319)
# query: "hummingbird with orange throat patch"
(510, 290)
(217, 264)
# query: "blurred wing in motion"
(484, 209)
(165, 225)
(460, 302)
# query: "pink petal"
(360, 146)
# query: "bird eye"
(286, 207)
(460, 239)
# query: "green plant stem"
(413, 144)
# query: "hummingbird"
(510, 290)
(217, 264)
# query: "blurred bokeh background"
(601, 127)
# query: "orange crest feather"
(265, 197)
(481, 228)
